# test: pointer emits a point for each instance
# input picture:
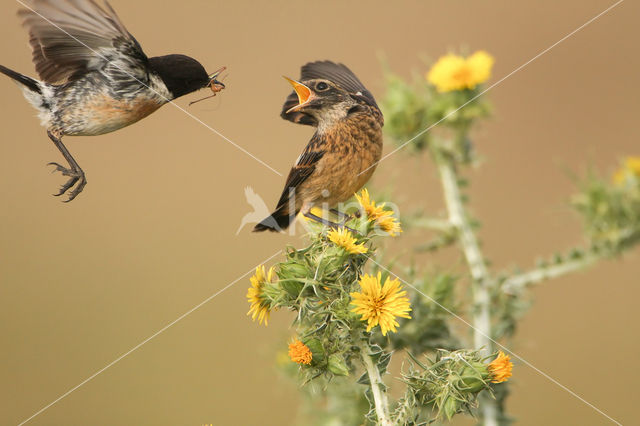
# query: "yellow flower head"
(343, 238)
(378, 215)
(255, 295)
(390, 225)
(369, 206)
(300, 353)
(453, 72)
(631, 168)
(380, 304)
(500, 368)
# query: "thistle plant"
(353, 314)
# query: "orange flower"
(500, 368)
(300, 353)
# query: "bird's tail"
(27, 82)
(278, 221)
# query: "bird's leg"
(75, 173)
(327, 222)
(345, 217)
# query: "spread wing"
(340, 75)
(303, 168)
(71, 37)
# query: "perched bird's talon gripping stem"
(328, 223)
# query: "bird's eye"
(322, 86)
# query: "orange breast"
(103, 114)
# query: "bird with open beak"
(344, 150)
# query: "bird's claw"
(76, 176)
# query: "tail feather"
(28, 82)
(278, 221)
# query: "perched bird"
(344, 150)
(94, 76)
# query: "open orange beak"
(305, 95)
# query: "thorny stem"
(516, 283)
(479, 272)
(434, 224)
(379, 396)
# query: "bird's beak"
(305, 95)
(215, 85)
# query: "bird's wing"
(303, 168)
(340, 75)
(70, 37)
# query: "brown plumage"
(343, 152)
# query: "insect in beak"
(305, 95)
(215, 85)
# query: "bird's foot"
(76, 177)
(328, 223)
(344, 216)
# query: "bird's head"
(183, 75)
(322, 99)
(325, 93)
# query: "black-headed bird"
(94, 76)
(344, 150)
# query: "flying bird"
(342, 153)
(95, 77)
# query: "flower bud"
(337, 365)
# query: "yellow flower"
(390, 225)
(381, 217)
(343, 238)
(300, 353)
(631, 168)
(255, 295)
(369, 206)
(453, 72)
(500, 368)
(380, 304)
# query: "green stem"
(479, 272)
(517, 282)
(433, 224)
(381, 404)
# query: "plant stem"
(472, 253)
(516, 282)
(375, 381)
(433, 224)
(479, 272)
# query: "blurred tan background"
(153, 234)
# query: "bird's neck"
(365, 118)
(329, 118)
